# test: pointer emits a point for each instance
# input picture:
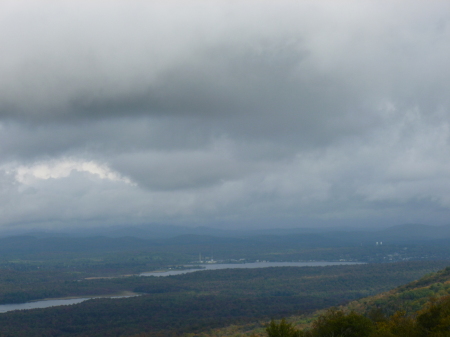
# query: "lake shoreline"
(70, 300)
(249, 265)
(125, 293)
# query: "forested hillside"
(199, 301)
(417, 309)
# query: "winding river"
(206, 266)
(216, 266)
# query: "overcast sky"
(224, 113)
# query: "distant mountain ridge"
(410, 233)
(159, 231)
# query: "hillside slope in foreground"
(419, 308)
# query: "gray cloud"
(221, 112)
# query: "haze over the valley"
(228, 114)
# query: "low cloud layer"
(224, 113)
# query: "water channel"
(207, 266)
(216, 266)
(49, 303)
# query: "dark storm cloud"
(225, 111)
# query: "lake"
(206, 266)
(216, 266)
